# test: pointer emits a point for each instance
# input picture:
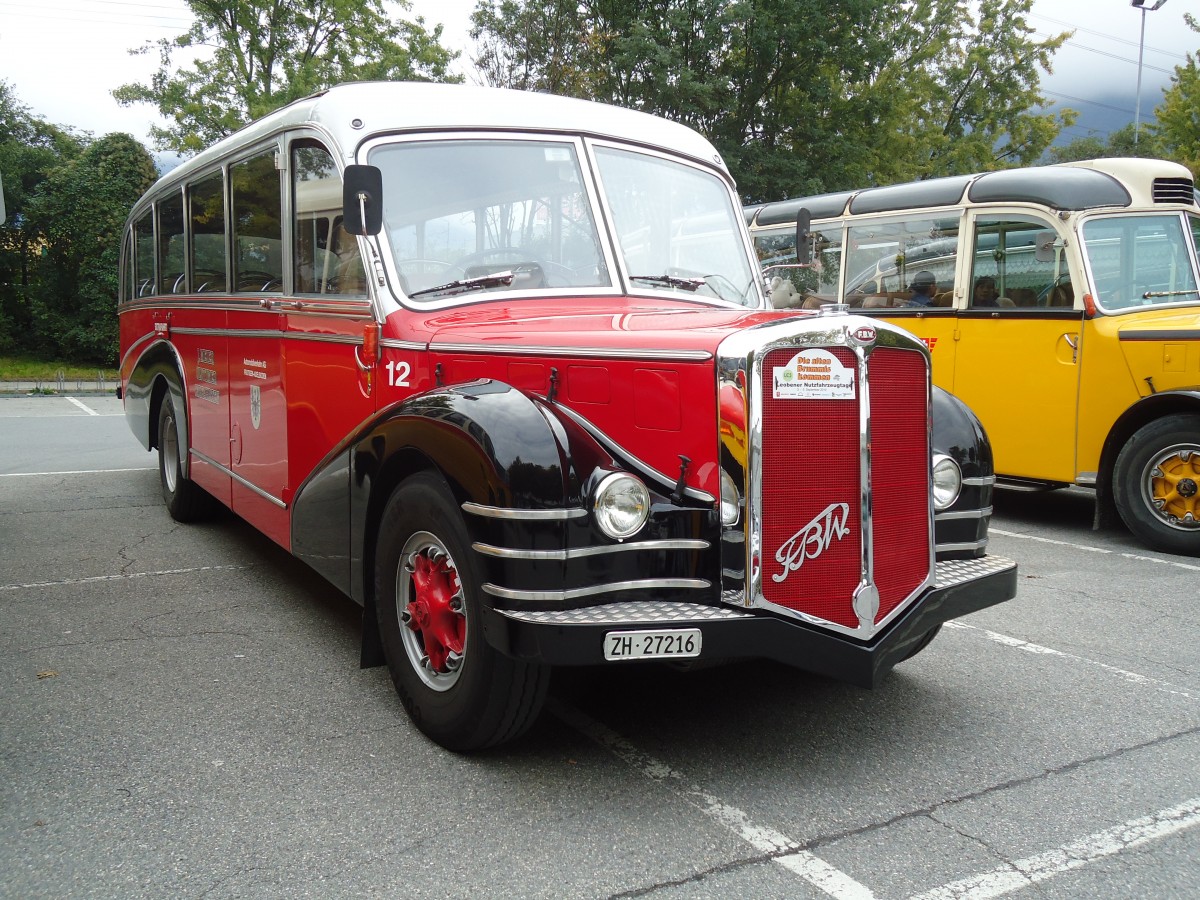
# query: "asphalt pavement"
(183, 716)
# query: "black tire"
(1156, 484)
(925, 641)
(186, 501)
(459, 690)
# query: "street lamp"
(1137, 106)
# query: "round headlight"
(622, 505)
(731, 501)
(947, 482)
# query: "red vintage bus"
(500, 367)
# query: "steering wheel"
(497, 254)
(255, 280)
(1044, 297)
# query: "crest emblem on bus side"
(255, 406)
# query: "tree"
(797, 96)
(259, 55)
(1178, 116)
(30, 149)
(80, 211)
(1118, 144)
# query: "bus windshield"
(676, 226)
(484, 215)
(1139, 261)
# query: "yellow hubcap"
(1175, 486)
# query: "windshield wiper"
(688, 284)
(495, 279)
(1149, 294)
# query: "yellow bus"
(1061, 303)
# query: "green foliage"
(30, 149)
(1120, 144)
(80, 212)
(799, 97)
(249, 57)
(1178, 116)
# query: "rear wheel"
(1156, 484)
(458, 689)
(186, 501)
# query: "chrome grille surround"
(740, 360)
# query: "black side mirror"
(803, 242)
(362, 200)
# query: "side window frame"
(1023, 299)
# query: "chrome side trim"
(549, 350)
(635, 612)
(963, 514)
(508, 553)
(239, 479)
(645, 584)
(1086, 479)
(529, 515)
(349, 339)
(394, 344)
(980, 480)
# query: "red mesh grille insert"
(899, 473)
(810, 467)
(810, 461)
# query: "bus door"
(195, 327)
(332, 388)
(258, 424)
(1019, 344)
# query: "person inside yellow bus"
(985, 292)
(922, 287)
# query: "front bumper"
(576, 636)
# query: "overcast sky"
(63, 57)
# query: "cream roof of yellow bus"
(1088, 184)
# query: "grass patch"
(26, 368)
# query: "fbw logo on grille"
(812, 540)
(865, 334)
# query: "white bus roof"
(380, 107)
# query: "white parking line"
(765, 840)
(87, 409)
(1037, 649)
(1191, 567)
(838, 884)
(72, 472)
(129, 575)
(1024, 872)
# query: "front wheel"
(1156, 484)
(458, 689)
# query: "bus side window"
(143, 257)
(170, 245)
(258, 225)
(207, 253)
(316, 209)
(884, 259)
(1009, 272)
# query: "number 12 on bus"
(500, 367)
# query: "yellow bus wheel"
(1156, 484)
